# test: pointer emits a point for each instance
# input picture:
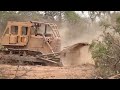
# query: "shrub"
(106, 54)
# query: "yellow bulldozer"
(36, 42)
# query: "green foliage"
(99, 50)
(117, 27)
(72, 17)
(112, 22)
(118, 19)
(106, 55)
(104, 24)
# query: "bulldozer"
(31, 41)
(39, 43)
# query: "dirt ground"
(47, 72)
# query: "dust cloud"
(77, 54)
(79, 34)
(73, 52)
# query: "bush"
(106, 54)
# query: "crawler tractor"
(31, 43)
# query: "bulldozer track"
(26, 57)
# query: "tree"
(94, 14)
(106, 51)
(52, 14)
(71, 17)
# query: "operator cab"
(41, 29)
